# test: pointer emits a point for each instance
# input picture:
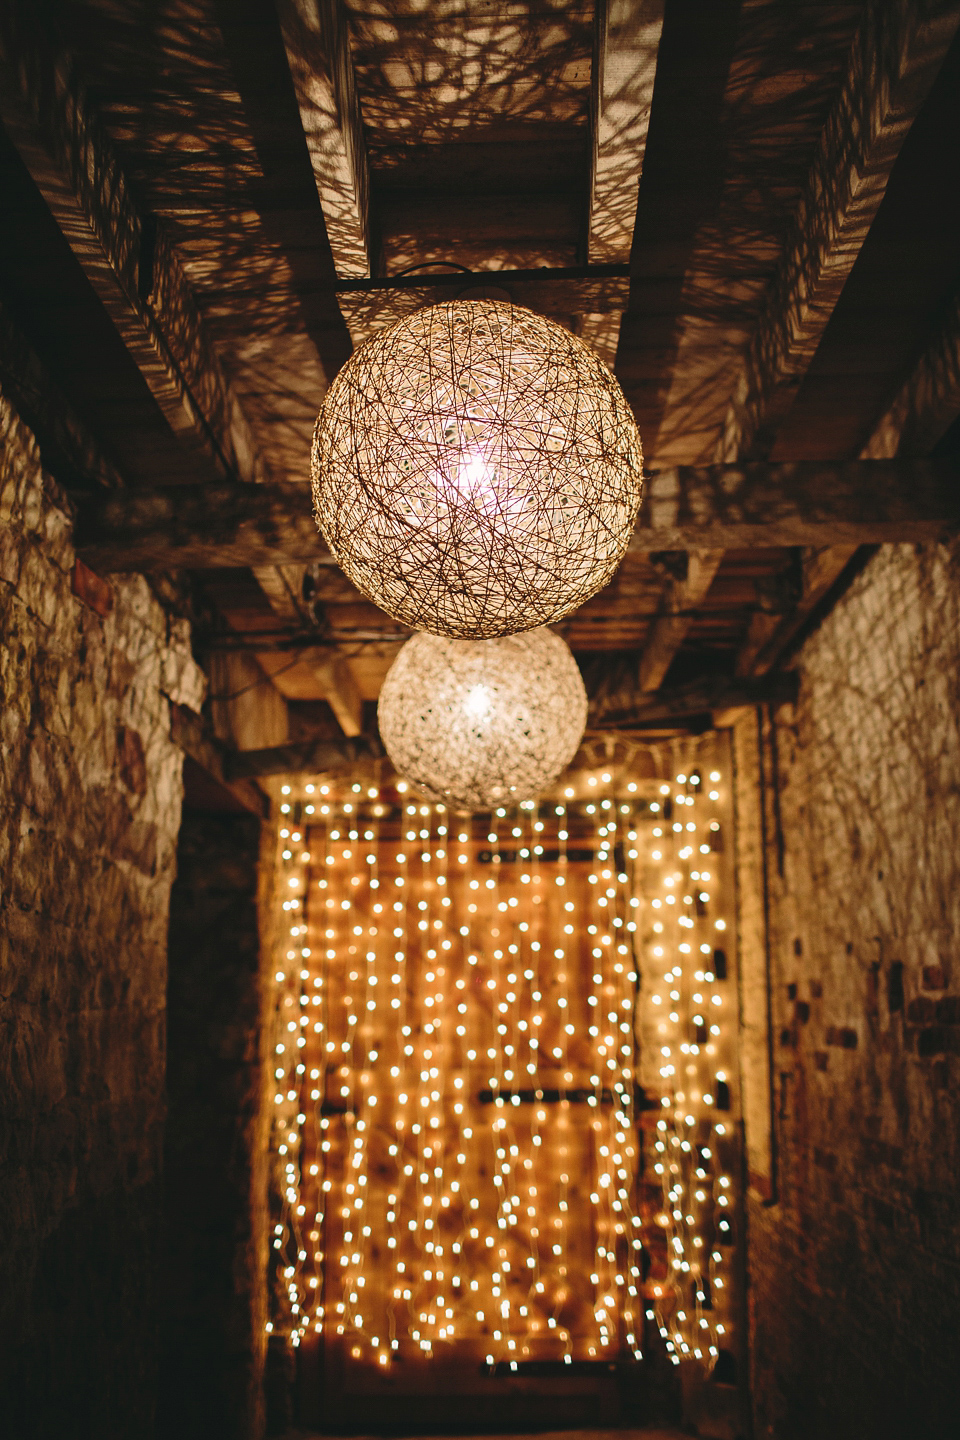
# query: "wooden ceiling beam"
(681, 597)
(626, 42)
(138, 278)
(282, 586)
(128, 261)
(895, 58)
(625, 64)
(285, 193)
(716, 507)
(761, 505)
(561, 283)
(627, 706)
(560, 291)
(193, 734)
(124, 255)
(769, 635)
(896, 55)
(690, 145)
(323, 756)
(68, 448)
(892, 64)
(928, 401)
(914, 423)
(316, 39)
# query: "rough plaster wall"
(855, 1267)
(90, 793)
(214, 1273)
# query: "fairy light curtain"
(503, 1073)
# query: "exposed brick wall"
(89, 812)
(214, 1272)
(855, 1267)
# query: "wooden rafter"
(281, 584)
(317, 43)
(928, 401)
(626, 42)
(769, 635)
(625, 63)
(127, 261)
(138, 278)
(895, 58)
(923, 409)
(896, 55)
(328, 756)
(287, 201)
(719, 507)
(681, 598)
(627, 706)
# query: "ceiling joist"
(318, 51)
(681, 598)
(717, 507)
(897, 53)
(625, 47)
(626, 706)
(768, 635)
(625, 63)
(123, 255)
(514, 145)
(286, 197)
(928, 402)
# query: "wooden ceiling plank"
(316, 39)
(620, 705)
(285, 193)
(127, 260)
(769, 635)
(668, 632)
(625, 63)
(282, 586)
(749, 506)
(928, 402)
(895, 58)
(130, 265)
(626, 42)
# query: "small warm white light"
(477, 702)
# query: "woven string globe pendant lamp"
(476, 470)
(480, 723)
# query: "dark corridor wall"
(214, 1263)
(90, 787)
(854, 1218)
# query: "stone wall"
(854, 1148)
(89, 812)
(214, 1270)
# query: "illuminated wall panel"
(485, 1027)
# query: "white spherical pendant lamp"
(480, 723)
(476, 470)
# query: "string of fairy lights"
(501, 1073)
(686, 1037)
